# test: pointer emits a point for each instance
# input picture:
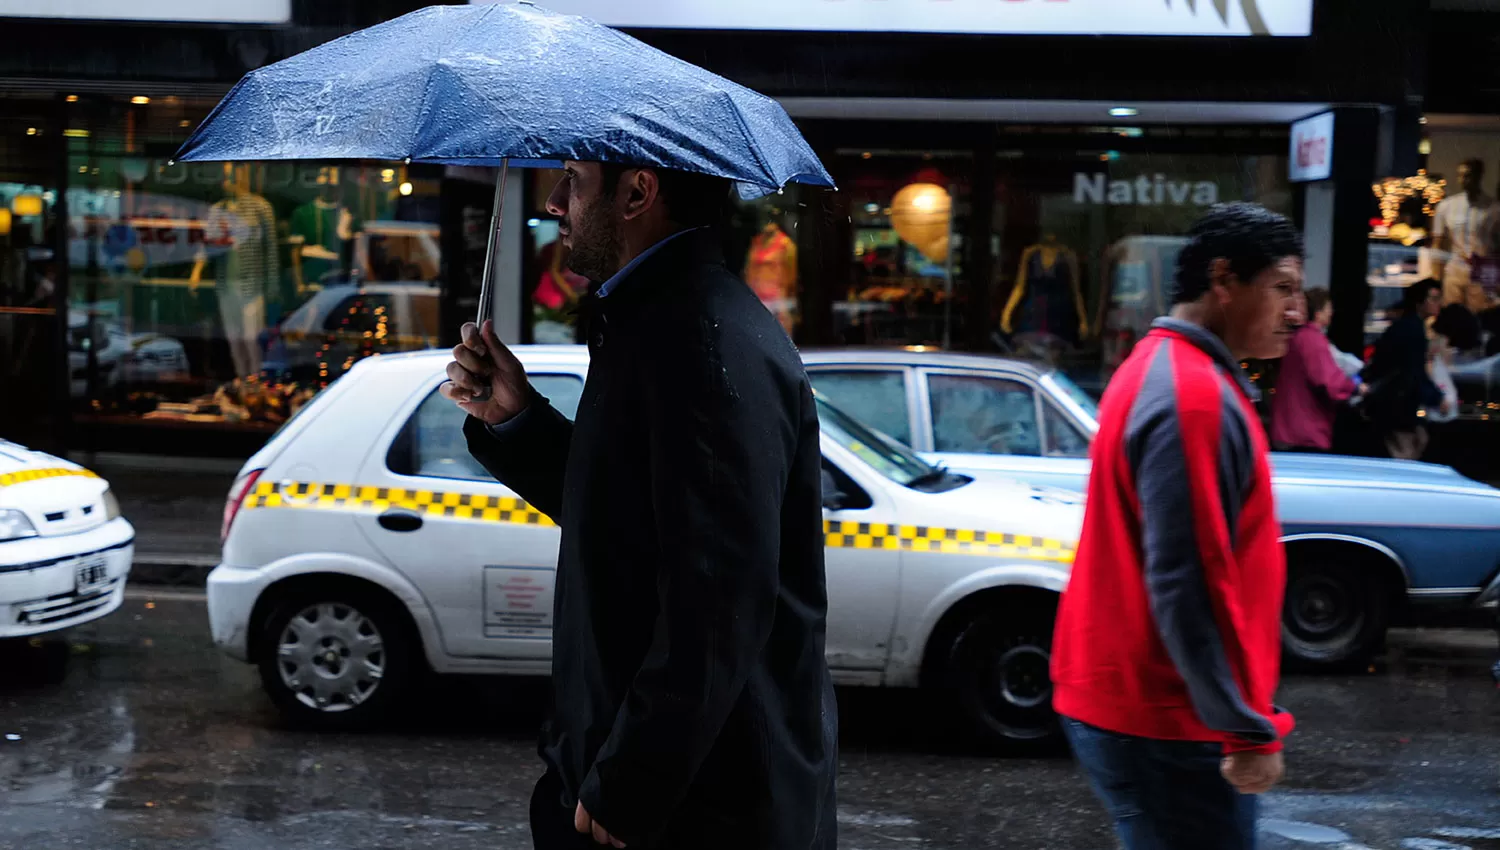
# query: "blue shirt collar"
(606, 287)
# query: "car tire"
(1335, 615)
(999, 680)
(359, 663)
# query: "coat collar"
(1210, 344)
(656, 275)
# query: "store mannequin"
(320, 232)
(245, 224)
(1464, 227)
(771, 269)
(1048, 293)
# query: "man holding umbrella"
(693, 706)
(693, 702)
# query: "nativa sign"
(1144, 191)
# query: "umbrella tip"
(408, 160)
(171, 162)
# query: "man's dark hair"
(1415, 294)
(1476, 166)
(1317, 299)
(692, 200)
(1249, 236)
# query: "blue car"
(1370, 542)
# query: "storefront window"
(227, 294)
(1086, 242)
(907, 213)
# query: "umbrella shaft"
(486, 296)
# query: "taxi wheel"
(999, 677)
(339, 658)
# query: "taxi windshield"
(881, 453)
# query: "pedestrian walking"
(1167, 648)
(1310, 387)
(693, 706)
(1400, 384)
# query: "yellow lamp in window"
(4, 222)
(920, 213)
(26, 205)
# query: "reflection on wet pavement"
(134, 732)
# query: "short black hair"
(1460, 326)
(1317, 299)
(692, 200)
(1418, 292)
(1475, 164)
(1249, 236)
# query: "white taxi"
(363, 546)
(64, 548)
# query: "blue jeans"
(1164, 795)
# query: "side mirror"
(833, 498)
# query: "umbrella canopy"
(476, 85)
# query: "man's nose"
(557, 202)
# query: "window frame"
(907, 373)
(924, 381)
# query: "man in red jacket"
(1167, 647)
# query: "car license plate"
(92, 575)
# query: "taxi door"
(484, 560)
(862, 564)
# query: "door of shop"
(33, 341)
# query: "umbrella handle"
(497, 212)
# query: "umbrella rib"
(765, 168)
(432, 71)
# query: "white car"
(363, 543)
(64, 548)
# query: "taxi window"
(875, 397)
(432, 443)
(1063, 439)
(980, 415)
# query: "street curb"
(171, 570)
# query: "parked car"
(120, 358)
(1370, 542)
(364, 543)
(64, 548)
(341, 325)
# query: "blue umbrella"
(505, 85)
(486, 84)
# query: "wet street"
(135, 733)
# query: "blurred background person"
(1400, 385)
(1311, 386)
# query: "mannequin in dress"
(1048, 294)
(245, 224)
(771, 269)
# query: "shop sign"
(1144, 191)
(988, 17)
(192, 11)
(1312, 149)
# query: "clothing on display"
(1047, 297)
(323, 227)
(1472, 227)
(246, 272)
(771, 272)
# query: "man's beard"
(596, 241)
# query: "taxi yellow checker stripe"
(350, 497)
(25, 475)
(949, 541)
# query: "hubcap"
(1321, 607)
(1022, 676)
(331, 657)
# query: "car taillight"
(237, 494)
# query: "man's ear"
(640, 190)
(1219, 279)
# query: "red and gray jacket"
(1171, 624)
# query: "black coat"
(1397, 375)
(692, 697)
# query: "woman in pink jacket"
(1311, 386)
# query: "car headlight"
(111, 505)
(14, 525)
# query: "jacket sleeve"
(722, 444)
(1192, 459)
(528, 454)
(1323, 371)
